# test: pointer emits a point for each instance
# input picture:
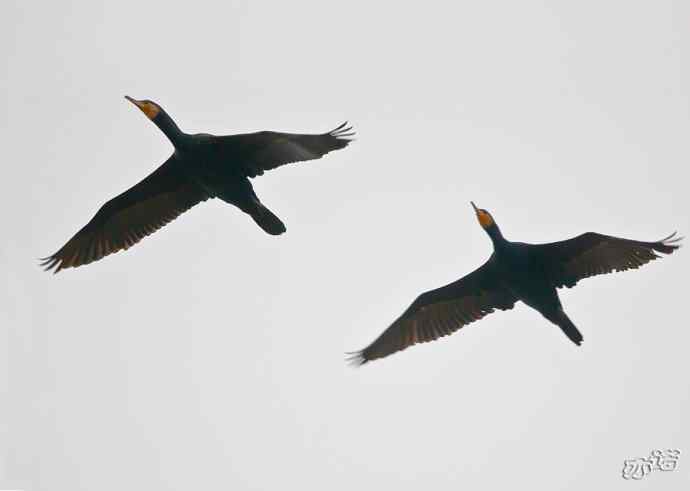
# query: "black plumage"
(516, 271)
(202, 166)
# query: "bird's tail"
(563, 321)
(267, 220)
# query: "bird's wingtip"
(50, 263)
(344, 131)
(669, 244)
(355, 359)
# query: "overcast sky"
(211, 355)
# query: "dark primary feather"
(126, 219)
(590, 254)
(266, 150)
(441, 312)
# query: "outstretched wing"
(266, 150)
(590, 254)
(126, 219)
(441, 312)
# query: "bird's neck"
(169, 128)
(496, 236)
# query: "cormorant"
(515, 271)
(202, 166)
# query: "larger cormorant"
(202, 166)
(515, 271)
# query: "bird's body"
(516, 271)
(202, 166)
(524, 274)
(218, 171)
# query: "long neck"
(496, 235)
(169, 128)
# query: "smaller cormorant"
(202, 166)
(515, 271)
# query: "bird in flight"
(202, 166)
(515, 271)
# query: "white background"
(210, 356)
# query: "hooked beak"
(474, 206)
(150, 109)
(132, 100)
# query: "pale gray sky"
(210, 356)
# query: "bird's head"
(150, 108)
(484, 217)
(488, 224)
(160, 118)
